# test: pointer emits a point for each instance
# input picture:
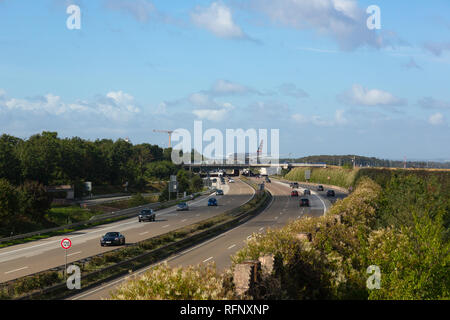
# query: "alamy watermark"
(374, 20)
(74, 20)
(74, 281)
(374, 281)
(212, 146)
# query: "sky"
(312, 69)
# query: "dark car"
(330, 193)
(295, 185)
(294, 193)
(320, 188)
(307, 192)
(212, 202)
(147, 215)
(112, 238)
(268, 180)
(183, 206)
(304, 202)
(219, 192)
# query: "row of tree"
(348, 160)
(50, 160)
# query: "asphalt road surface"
(280, 211)
(32, 257)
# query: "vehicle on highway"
(147, 215)
(304, 202)
(294, 193)
(219, 192)
(330, 193)
(268, 180)
(294, 185)
(231, 180)
(112, 238)
(183, 206)
(320, 188)
(307, 192)
(214, 180)
(212, 202)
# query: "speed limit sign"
(66, 243)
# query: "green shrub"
(164, 283)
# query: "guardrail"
(60, 290)
(126, 213)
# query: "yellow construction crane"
(169, 132)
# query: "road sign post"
(66, 244)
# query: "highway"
(280, 211)
(20, 260)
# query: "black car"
(147, 215)
(307, 192)
(112, 238)
(304, 202)
(295, 185)
(330, 193)
(268, 180)
(320, 188)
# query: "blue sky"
(309, 68)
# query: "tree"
(40, 156)
(34, 200)
(197, 183)
(9, 202)
(9, 162)
(160, 170)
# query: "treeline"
(28, 167)
(50, 160)
(347, 161)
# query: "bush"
(164, 283)
(137, 200)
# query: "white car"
(230, 181)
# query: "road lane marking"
(72, 254)
(184, 220)
(231, 247)
(207, 259)
(261, 229)
(197, 215)
(141, 234)
(166, 226)
(276, 218)
(16, 270)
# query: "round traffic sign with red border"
(66, 243)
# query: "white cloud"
(141, 10)
(437, 48)
(343, 20)
(431, 103)
(118, 106)
(225, 87)
(218, 19)
(361, 96)
(339, 119)
(436, 119)
(289, 89)
(214, 114)
(200, 99)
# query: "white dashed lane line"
(231, 247)
(72, 254)
(15, 270)
(207, 259)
